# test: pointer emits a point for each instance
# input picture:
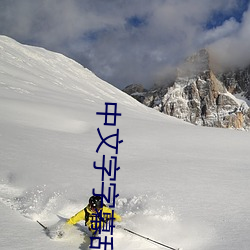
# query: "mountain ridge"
(200, 95)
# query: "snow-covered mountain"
(182, 185)
(201, 96)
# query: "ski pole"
(45, 228)
(159, 243)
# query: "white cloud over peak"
(125, 41)
(233, 49)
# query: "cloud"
(121, 41)
(228, 28)
(233, 49)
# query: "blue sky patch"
(219, 17)
(136, 21)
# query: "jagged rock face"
(205, 102)
(237, 81)
(199, 97)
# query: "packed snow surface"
(182, 185)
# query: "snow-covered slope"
(179, 184)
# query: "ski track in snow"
(145, 214)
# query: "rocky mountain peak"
(196, 64)
(200, 96)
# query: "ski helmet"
(95, 202)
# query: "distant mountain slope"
(34, 74)
(27, 69)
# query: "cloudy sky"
(131, 41)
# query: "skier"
(94, 214)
